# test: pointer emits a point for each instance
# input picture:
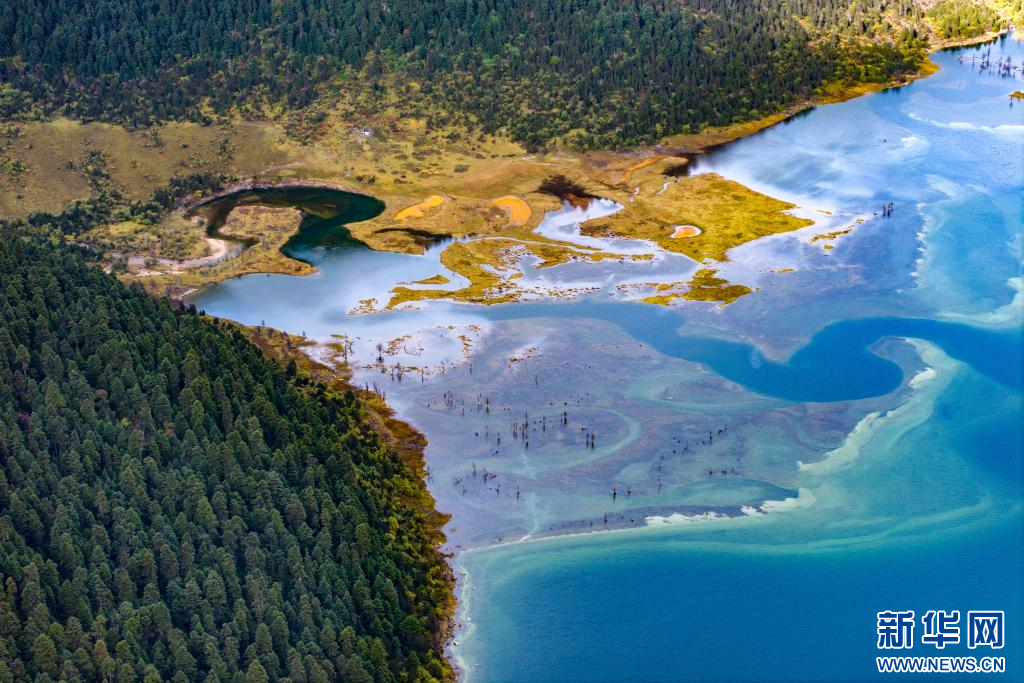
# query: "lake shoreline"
(255, 185)
(464, 599)
(259, 219)
(712, 139)
(405, 442)
(685, 147)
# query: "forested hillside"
(586, 72)
(957, 20)
(173, 506)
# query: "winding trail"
(219, 251)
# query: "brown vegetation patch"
(566, 190)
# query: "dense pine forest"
(963, 20)
(173, 506)
(588, 73)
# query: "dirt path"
(219, 250)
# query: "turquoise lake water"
(863, 414)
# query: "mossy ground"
(726, 213)
(269, 228)
(703, 286)
(435, 182)
(52, 155)
(174, 237)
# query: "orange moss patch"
(683, 231)
(419, 210)
(519, 211)
(643, 163)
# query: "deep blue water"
(836, 365)
(651, 613)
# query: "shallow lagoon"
(854, 481)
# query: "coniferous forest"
(173, 506)
(588, 73)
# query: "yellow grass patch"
(711, 136)
(727, 214)
(433, 280)
(490, 265)
(139, 161)
(703, 286)
(468, 259)
(831, 235)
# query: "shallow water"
(845, 440)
